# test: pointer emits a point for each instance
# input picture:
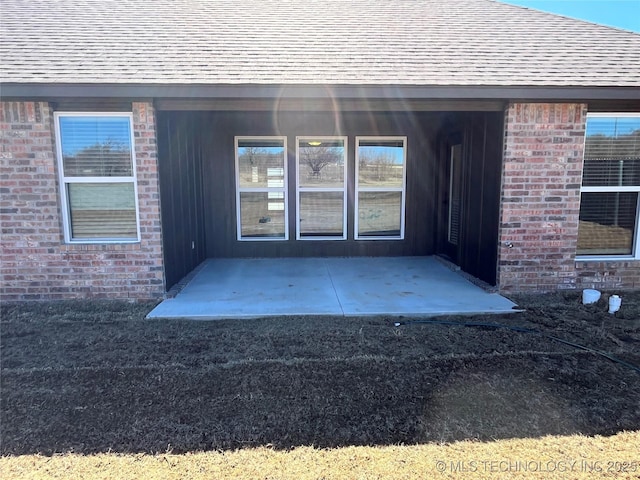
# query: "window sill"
(103, 246)
(605, 258)
(390, 239)
(262, 239)
(317, 239)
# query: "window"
(261, 192)
(321, 171)
(380, 187)
(609, 208)
(96, 165)
(261, 173)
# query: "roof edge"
(493, 92)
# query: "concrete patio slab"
(251, 288)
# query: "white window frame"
(402, 189)
(65, 180)
(300, 189)
(635, 255)
(284, 189)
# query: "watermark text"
(537, 466)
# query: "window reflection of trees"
(323, 162)
(378, 166)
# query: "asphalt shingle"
(354, 42)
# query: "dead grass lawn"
(550, 458)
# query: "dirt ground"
(89, 377)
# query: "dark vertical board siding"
(421, 183)
(473, 160)
(483, 161)
(193, 177)
(219, 180)
(491, 196)
(218, 173)
(197, 171)
(179, 166)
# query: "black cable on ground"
(515, 328)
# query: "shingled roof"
(307, 42)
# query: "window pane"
(261, 163)
(607, 223)
(599, 172)
(380, 163)
(102, 210)
(612, 151)
(96, 146)
(321, 214)
(262, 214)
(379, 214)
(321, 163)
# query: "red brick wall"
(542, 174)
(36, 264)
(623, 275)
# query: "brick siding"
(622, 275)
(36, 264)
(542, 175)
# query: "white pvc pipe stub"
(614, 303)
(590, 295)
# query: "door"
(451, 189)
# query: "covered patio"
(357, 286)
